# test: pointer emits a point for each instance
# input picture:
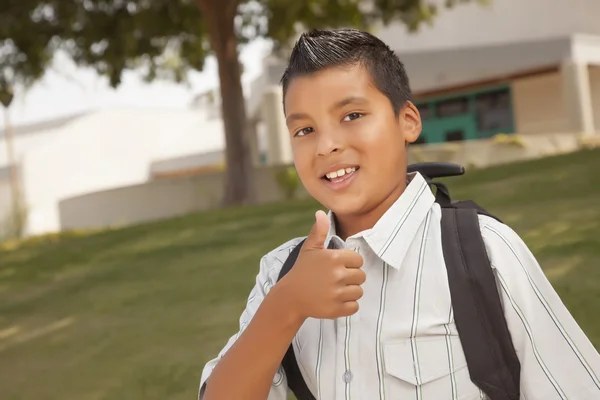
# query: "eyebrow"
(344, 102)
(349, 100)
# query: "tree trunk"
(219, 17)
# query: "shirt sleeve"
(270, 266)
(558, 361)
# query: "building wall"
(278, 145)
(587, 16)
(159, 199)
(166, 198)
(186, 163)
(29, 136)
(595, 91)
(538, 104)
(108, 149)
(487, 152)
(500, 22)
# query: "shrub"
(288, 181)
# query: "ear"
(409, 119)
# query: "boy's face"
(340, 122)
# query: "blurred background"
(145, 166)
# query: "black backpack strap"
(492, 361)
(291, 260)
(294, 377)
(471, 205)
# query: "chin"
(344, 205)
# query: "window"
(452, 107)
(426, 111)
(455, 136)
(493, 110)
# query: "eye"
(352, 116)
(303, 131)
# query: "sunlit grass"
(135, 313)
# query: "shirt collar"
(393, 234)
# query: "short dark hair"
(317, 50)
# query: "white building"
(102, 150)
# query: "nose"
(330, 141)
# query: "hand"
(324, 283)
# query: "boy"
(367, 305)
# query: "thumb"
(318, 233)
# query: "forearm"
(256, 355)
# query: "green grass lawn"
(135, 313)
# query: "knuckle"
(339, 274)
(334, 255)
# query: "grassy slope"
(135, 313)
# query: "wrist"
(284, 306)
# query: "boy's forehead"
(329, 84)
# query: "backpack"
(491, 358)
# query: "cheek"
(303, 160)
(383, 149)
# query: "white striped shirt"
(403, 343)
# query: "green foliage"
(288, 181)
(26, 42)
(167, 38)
(509, 139)
(285, 17)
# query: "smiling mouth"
(340, 175)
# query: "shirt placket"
(346, 363)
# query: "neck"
(348, 225)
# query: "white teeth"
(340, 172)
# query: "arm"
(557, 359)
(323, 284)
(254, 355)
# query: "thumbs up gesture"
(324, 283)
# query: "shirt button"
(347, 377)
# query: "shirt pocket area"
(436, 366)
